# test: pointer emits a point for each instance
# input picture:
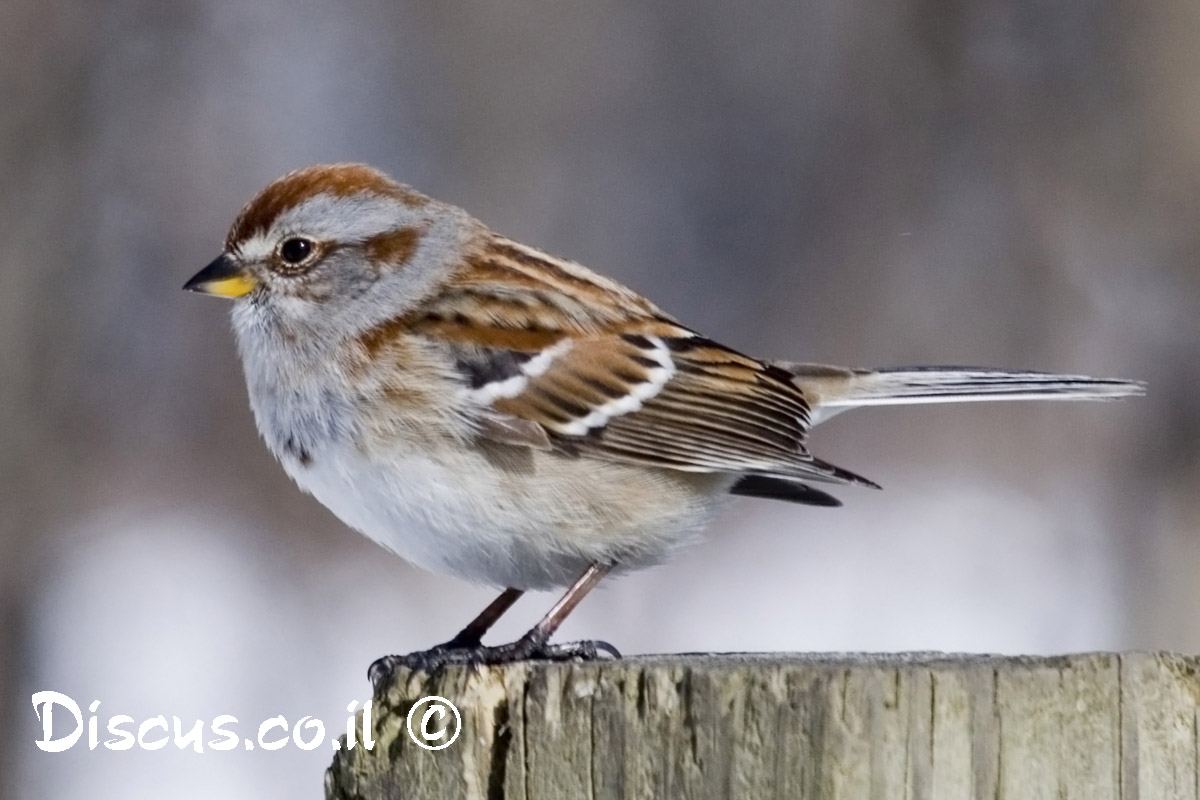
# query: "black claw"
(605, 647)
(381, 670)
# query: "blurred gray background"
(1002, 182)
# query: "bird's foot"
(529, 648)
(455, 652)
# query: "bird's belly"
(532, 526)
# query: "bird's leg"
(536, 643)
(472, 635)
(465, 648)
(469, 638)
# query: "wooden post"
(1092, 726)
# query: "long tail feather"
(833, 390)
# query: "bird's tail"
(833, 389)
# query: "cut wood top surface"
(911, 725)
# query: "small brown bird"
(487, 410)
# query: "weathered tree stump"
(1092, 726)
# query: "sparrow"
(484, 409)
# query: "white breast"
(456, 512)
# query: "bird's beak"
(223, 277)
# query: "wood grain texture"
(1091, 726)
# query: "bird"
(486, 410)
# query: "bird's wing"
(601, 371)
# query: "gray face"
(332, 264)
(317, 261)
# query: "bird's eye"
(296, 251)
